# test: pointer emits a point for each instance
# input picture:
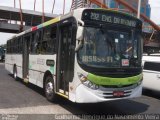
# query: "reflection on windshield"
(108, 48)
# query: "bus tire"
(49, 89)
(15, 72)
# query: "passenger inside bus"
(44, 47)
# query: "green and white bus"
(86, 56)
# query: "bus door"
(65, 58)
(26, 44)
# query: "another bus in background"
(151, 71)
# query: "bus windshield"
(107, 48)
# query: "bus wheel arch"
(48, 86)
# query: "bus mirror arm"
(80, 22)
(79, 46)
(79, 36)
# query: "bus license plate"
(118, 93)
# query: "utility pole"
(21, 16)
(64, 6)
(14, 3)
(34, 5)
(42, 11)
(53, 6)
(76, 3)
(139, 9)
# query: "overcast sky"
(58, 9)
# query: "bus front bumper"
(87, 95)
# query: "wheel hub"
(49, 88)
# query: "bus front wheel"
(49, 89)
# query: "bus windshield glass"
(105, 48)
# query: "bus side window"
(19, 47)
(8, 46)
(45, 39)
(36, 42)
(44, 47)
(49, 40)
(33, 44)
(53, 38)
(14, 46)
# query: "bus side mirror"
(79, 36)
(80, 29)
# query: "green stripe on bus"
(51, 69)
(114, 81)
(30, 66)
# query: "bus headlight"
(86, 82)
(82, 77)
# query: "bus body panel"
(38, 67)
(12, 60)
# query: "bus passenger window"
(33, 44)
(36, 42)
(38, 48)
(49, 40)
(44, 47)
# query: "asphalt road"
(17, 98)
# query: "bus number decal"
(87, 59)
(94, 16)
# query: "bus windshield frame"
(110, 47)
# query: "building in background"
(145, 6)
(145, 9)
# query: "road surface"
(17, 98)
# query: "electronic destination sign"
(112, 17)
